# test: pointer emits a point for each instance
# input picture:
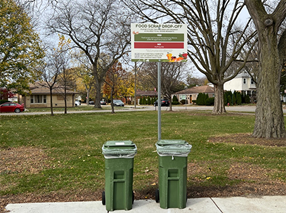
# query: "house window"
(244, 81)
(252, 82)
(38, 99)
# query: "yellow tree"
(20, 47)
(84, 72)
(127, 85)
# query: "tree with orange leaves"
(111, 87)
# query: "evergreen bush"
(175, 100)
(238, 98)
(233, 98)
(200, 99)
(210, 102)
(247, 99)
(148, 100)
(3, 101)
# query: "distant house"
(191, 94)
(39, 96)
(140, 93)
(241, 83)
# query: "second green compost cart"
(119, 160)
(173, 161)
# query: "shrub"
(233, 98)
(238, 98)
(194, 101)
(202, 98)
(148, 100)
(183, 101)
(3, 101)
(227, 97)
(210, 102)
(175, 100)
(247, 99)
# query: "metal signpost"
(158, 43)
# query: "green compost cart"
(119, 160)
(173, 161)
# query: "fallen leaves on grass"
(23, 160)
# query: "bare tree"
(194, 81)
(171, 74)
(66, 81)
(269, 120)
(50, 72)
(215, 41)
(95, 27)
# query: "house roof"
(146, 93)
(41, 88)
(197, 89)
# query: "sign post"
(152, 42)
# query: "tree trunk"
(65, 99)
(87, 96)
(111, 97)
(269, 120)
(51, 101)
(219, 107)
(171, 108)
(97, 93)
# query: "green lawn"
(67, 149)
(61, 109)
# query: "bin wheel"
(103, 198)
(133, 197)
(157, 197)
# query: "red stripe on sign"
(159, 45)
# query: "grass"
(61, 109)
(72, 146)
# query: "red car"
(11, 107)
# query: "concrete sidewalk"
(264, 204)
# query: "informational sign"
(158, 42)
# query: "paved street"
(148, 108)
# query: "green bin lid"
(119, 143)
(173, 148)
(119, 149)
(171, 142)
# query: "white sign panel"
(158, 42)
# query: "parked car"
(102, 103)
(118, 103)
(12, 107)
(91, 102)
(164, 102)
(77, 103)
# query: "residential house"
(242, 83)
(140, 93)
(191, 94)
(39, 96)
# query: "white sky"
(53, 40)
